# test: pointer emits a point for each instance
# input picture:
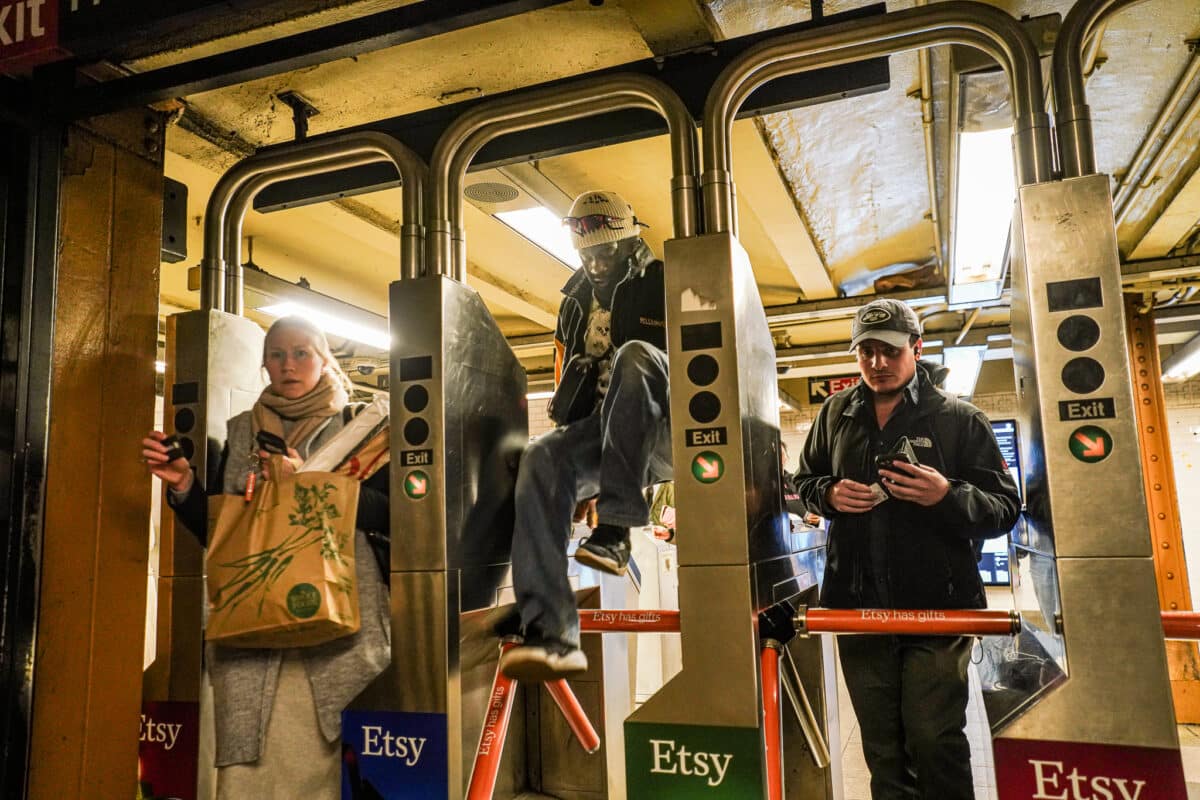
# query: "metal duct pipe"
(1135, 179)
(953, 22)
(1072, 118)
(925, 70)
(462, 140)
(213, 290)
(239, 204)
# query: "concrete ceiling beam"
(774, 204)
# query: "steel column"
(1162, 500)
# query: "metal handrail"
(470, 132)
(215, 291)
(576, 717)
(772, 718)
(1072, 117)
(900, 621)
(953, 22)
(633, 620)
(495, 730)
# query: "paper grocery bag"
(281, 566)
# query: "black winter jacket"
(930, 553)
(638, 312)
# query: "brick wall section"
(794, 423)
(1183, 395)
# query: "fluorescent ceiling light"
(545, 229)
(539, 395)
(986, 191)
(1184, 363)
(332, 324)
(160, 367)
(964, 364)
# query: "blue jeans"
(614, 453)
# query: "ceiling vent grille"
(490, 192)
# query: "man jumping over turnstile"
(613, 438)
(910, 478)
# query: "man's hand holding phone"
(915, 483)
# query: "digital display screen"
(418, 368)
(1073, 294)
(702, 336)
(993, 563)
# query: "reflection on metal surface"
(450, 542)
(737, 554)
(1016, 670)
(1083, 557)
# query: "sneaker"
(537, 660)
(606, 550)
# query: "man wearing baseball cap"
(613, 439)
(911, 478)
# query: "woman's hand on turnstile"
(175, 472)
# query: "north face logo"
(875, 315)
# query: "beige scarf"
(309, 412)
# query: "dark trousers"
(910, 696)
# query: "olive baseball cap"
(887, 320)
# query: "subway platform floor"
(857, 780)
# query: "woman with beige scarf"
(277, 713)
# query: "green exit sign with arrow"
(416, 484)
(708, 467)
(1090, 444)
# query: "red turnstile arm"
(772, 720)
(1181, 624)
(491, 739)
(927, 622)
(576, 717)
(628, 620)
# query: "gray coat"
(244, 680)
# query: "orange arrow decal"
(1092, 447)
(417, 485)
(711, 468)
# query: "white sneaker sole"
(595, 561)
(537, 665)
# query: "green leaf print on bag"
(257, 572)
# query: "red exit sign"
(28, 34)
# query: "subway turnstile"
(215, 372)
(459, 423)
(702, 734)
(1100, 704)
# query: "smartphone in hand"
(271, 443)
(901, 451)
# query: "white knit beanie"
(621, 223)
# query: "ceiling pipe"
(1072, 118)
(953, 22)
(1140, 176)
(1091, 51)
(462, 140)
(221, 280)
(925, 72)
(966, 328)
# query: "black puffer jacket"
(638, 311)
(930, 553)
